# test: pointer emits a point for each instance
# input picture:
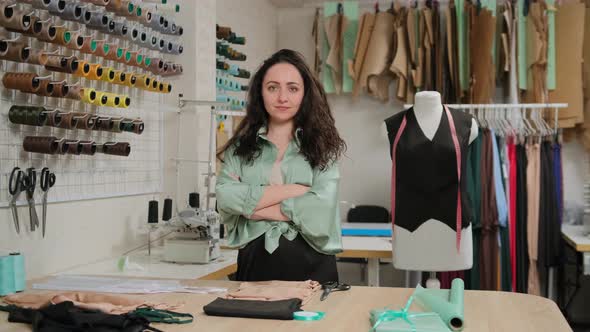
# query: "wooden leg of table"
(373, 272)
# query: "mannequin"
(426, 187)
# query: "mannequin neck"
(427, 104)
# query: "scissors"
(30, 188)
(16, 184)
(332, 286)
(47, 181)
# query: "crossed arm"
(269, 206)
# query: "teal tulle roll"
(7, 285)
(19, 272)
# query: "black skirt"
(292, 261)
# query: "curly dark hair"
(320, 142)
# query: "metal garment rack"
(540, 106)
(212, 140)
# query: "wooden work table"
(349, 311)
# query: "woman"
(277, 192)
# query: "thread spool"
(101, 99)
(194, 200)
(108, 74)
(120, 29)
(153, 212)
(167, 213)
(124, 101)
(7, 282)
(174, 48)
(83, 69)
(95, 72)
(143, 82)
(165, 87)
(101, 48)
(62, 36)
(72, 12)
(88, 95)
(130, 79)
(119, 77)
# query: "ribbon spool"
(88, 95)
(308, 315)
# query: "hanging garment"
(452, 51)
(439, 65)
(315, 33)
(586, 80)
(366, 25)
(481, 38)
(512, 208)
(569, 31)
(501, 200)
(533, 152)
(428, 48)
(474, 191)
(536, 54)
(375, 75)
(522, 256)
(399, 65)
(350, 10)
(462, 8)
(334, 27)
(511, 24)
(558, 176)
(489, 218)
(549, 228)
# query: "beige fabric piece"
(111, 304)
(533, 183)
(481, 36)
(379, 54)
(569, 31)
(275, 290)
(365, 31)
(334, 27)
(537, 44)
(399, 65)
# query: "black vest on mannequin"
(426, 175)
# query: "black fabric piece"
(292, 261)
(522, 253)
(549, 251)
(65, 317)
(426, 176)
(282, 309)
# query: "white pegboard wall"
(85, 177)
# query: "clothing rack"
(555, 106)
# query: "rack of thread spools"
(82, 90)
(231, 77)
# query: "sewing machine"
(196, 238)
